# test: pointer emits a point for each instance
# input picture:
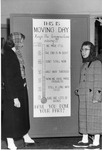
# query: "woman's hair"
(92, 47)
(92, 55)
(23, 36)
(10, 40)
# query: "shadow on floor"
(48, 143)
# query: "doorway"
(98, 34)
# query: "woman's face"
(85, 51)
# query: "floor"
(48, 143)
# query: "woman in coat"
(15, 106)
(90, 97)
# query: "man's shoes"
(91, 146)
(81, 144)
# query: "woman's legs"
(11, 144)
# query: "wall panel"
(60, 126)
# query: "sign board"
(51, 67)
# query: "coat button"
(90, 90)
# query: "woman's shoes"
(28, 141)
(81, 144)
(94, 147)
(12, 148)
